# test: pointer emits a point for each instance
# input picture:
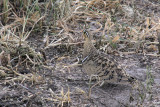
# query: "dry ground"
(41, 43)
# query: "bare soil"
(61, 83)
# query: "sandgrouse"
(104, 66)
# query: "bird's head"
(86, 35)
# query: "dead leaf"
(115, 39)
(152, 47)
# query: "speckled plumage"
(100, 64)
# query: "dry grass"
(120, 26)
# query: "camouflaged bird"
(100, 64)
